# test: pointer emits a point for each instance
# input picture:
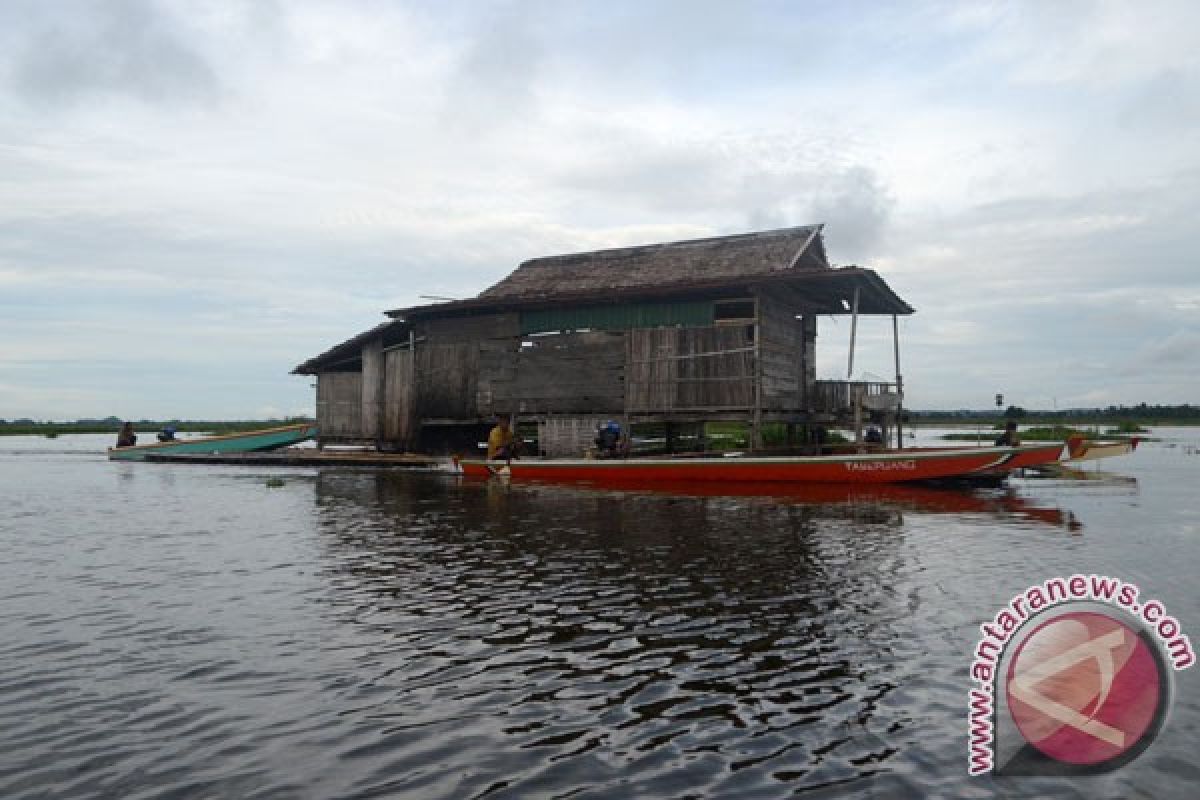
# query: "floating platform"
(301, 457)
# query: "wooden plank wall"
(399, 408)
(674, 369)
(446, 380)
(568, 437)
(782, 352)
(339, 404)
(458, 360)
(470, 329)
(372, 389)
(567, 373)
(808, 364)
(497, 368)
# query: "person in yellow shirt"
(502, 444)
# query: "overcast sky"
(195, 197)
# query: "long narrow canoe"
(1085, 450)
(886, 467)
(244, 442)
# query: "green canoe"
(244, 442)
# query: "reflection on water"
(624, 636)
(751, 642)
(208, 632)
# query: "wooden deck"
(302, 457)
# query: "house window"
(733, 312)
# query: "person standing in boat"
(1009, 438)
(502, 443)
(167, 434)
(126, 437)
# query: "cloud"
(1177, 354)
(1094, 44)
(235, 187)
(75, 50)
(494, 80)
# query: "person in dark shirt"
(608, 440)
(126, 437)
(1009, 437)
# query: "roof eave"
(866, 278)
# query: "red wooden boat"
(891, 466)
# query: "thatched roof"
(662, 265)
(789, 261)
(792, 259)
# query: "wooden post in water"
(411, 444)
(756, 439)
(899, 386)
(856, 402)
(853, 335)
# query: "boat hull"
(1092, 451)
(890, 467)
(245, 442)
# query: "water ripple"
(188, 633)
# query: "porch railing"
(838, 396)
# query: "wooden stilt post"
(756, 440)
(899, 385)
(856, 401)
(853, 335)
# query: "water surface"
(192, 631)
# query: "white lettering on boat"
(871, 466)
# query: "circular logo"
(1085, 688)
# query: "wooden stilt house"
(723, 328)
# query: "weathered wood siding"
(673, 369)
(470, 329)
(457, 360)
(808, 365)
(372, 389)
(781, 352)
(569, 373)
(446, 380)
(339, 404)
(497, 367)
(568, 437)
(399, 407)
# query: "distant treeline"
(1142, 413)
(27, 427)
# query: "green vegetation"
(736, 435)
(1141, 415)
(1047, 433)
(29, 427)
(1126, 427)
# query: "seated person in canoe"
(502, 442)
(126, 437)
(1009, 438)
(609, 441)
